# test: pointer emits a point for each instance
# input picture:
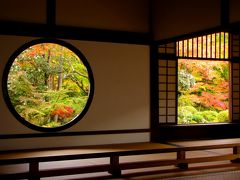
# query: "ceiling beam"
(224, 12)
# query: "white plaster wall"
(121, 99)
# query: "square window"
(203, 88)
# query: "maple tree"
(206, 91)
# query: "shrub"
(222, 116)
(62, 112)
(198, 118)
(185, 101)
(210, 116)
(185, 114)
(190, 109)
(185, 80)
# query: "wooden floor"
(143, 174)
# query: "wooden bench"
(113, 152)
(185, 146)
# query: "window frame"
(170, 51)
(7, 68)
(230, 90)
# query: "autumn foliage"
(48, 85)
(203, 86)
(62, 112)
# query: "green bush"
(222, 116)
(198, 118)
(190, 109)
(185, 101)
(185, 114)
(189, 114)
(210, 116)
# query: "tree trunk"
(53, 82)
(49, 80)
(60, 79)
(60, 74)
(55, 118)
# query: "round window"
(48, 85)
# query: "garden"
(203, 91)
(48, 85)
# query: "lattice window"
(235, 53)
(213, 46)
(167, 66)
(235, 91)
(235, 46)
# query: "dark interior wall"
(165, 18)
(234, 15)
(131, 15)
(173, 18)
(31, 11)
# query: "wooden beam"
(76, 133)
(181, 155)
(34, 170)
(236, 151)
(76, 33)
(154, 106)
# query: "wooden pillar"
(34, 171)
(236, 151)
(181, 155)
(114, 166)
